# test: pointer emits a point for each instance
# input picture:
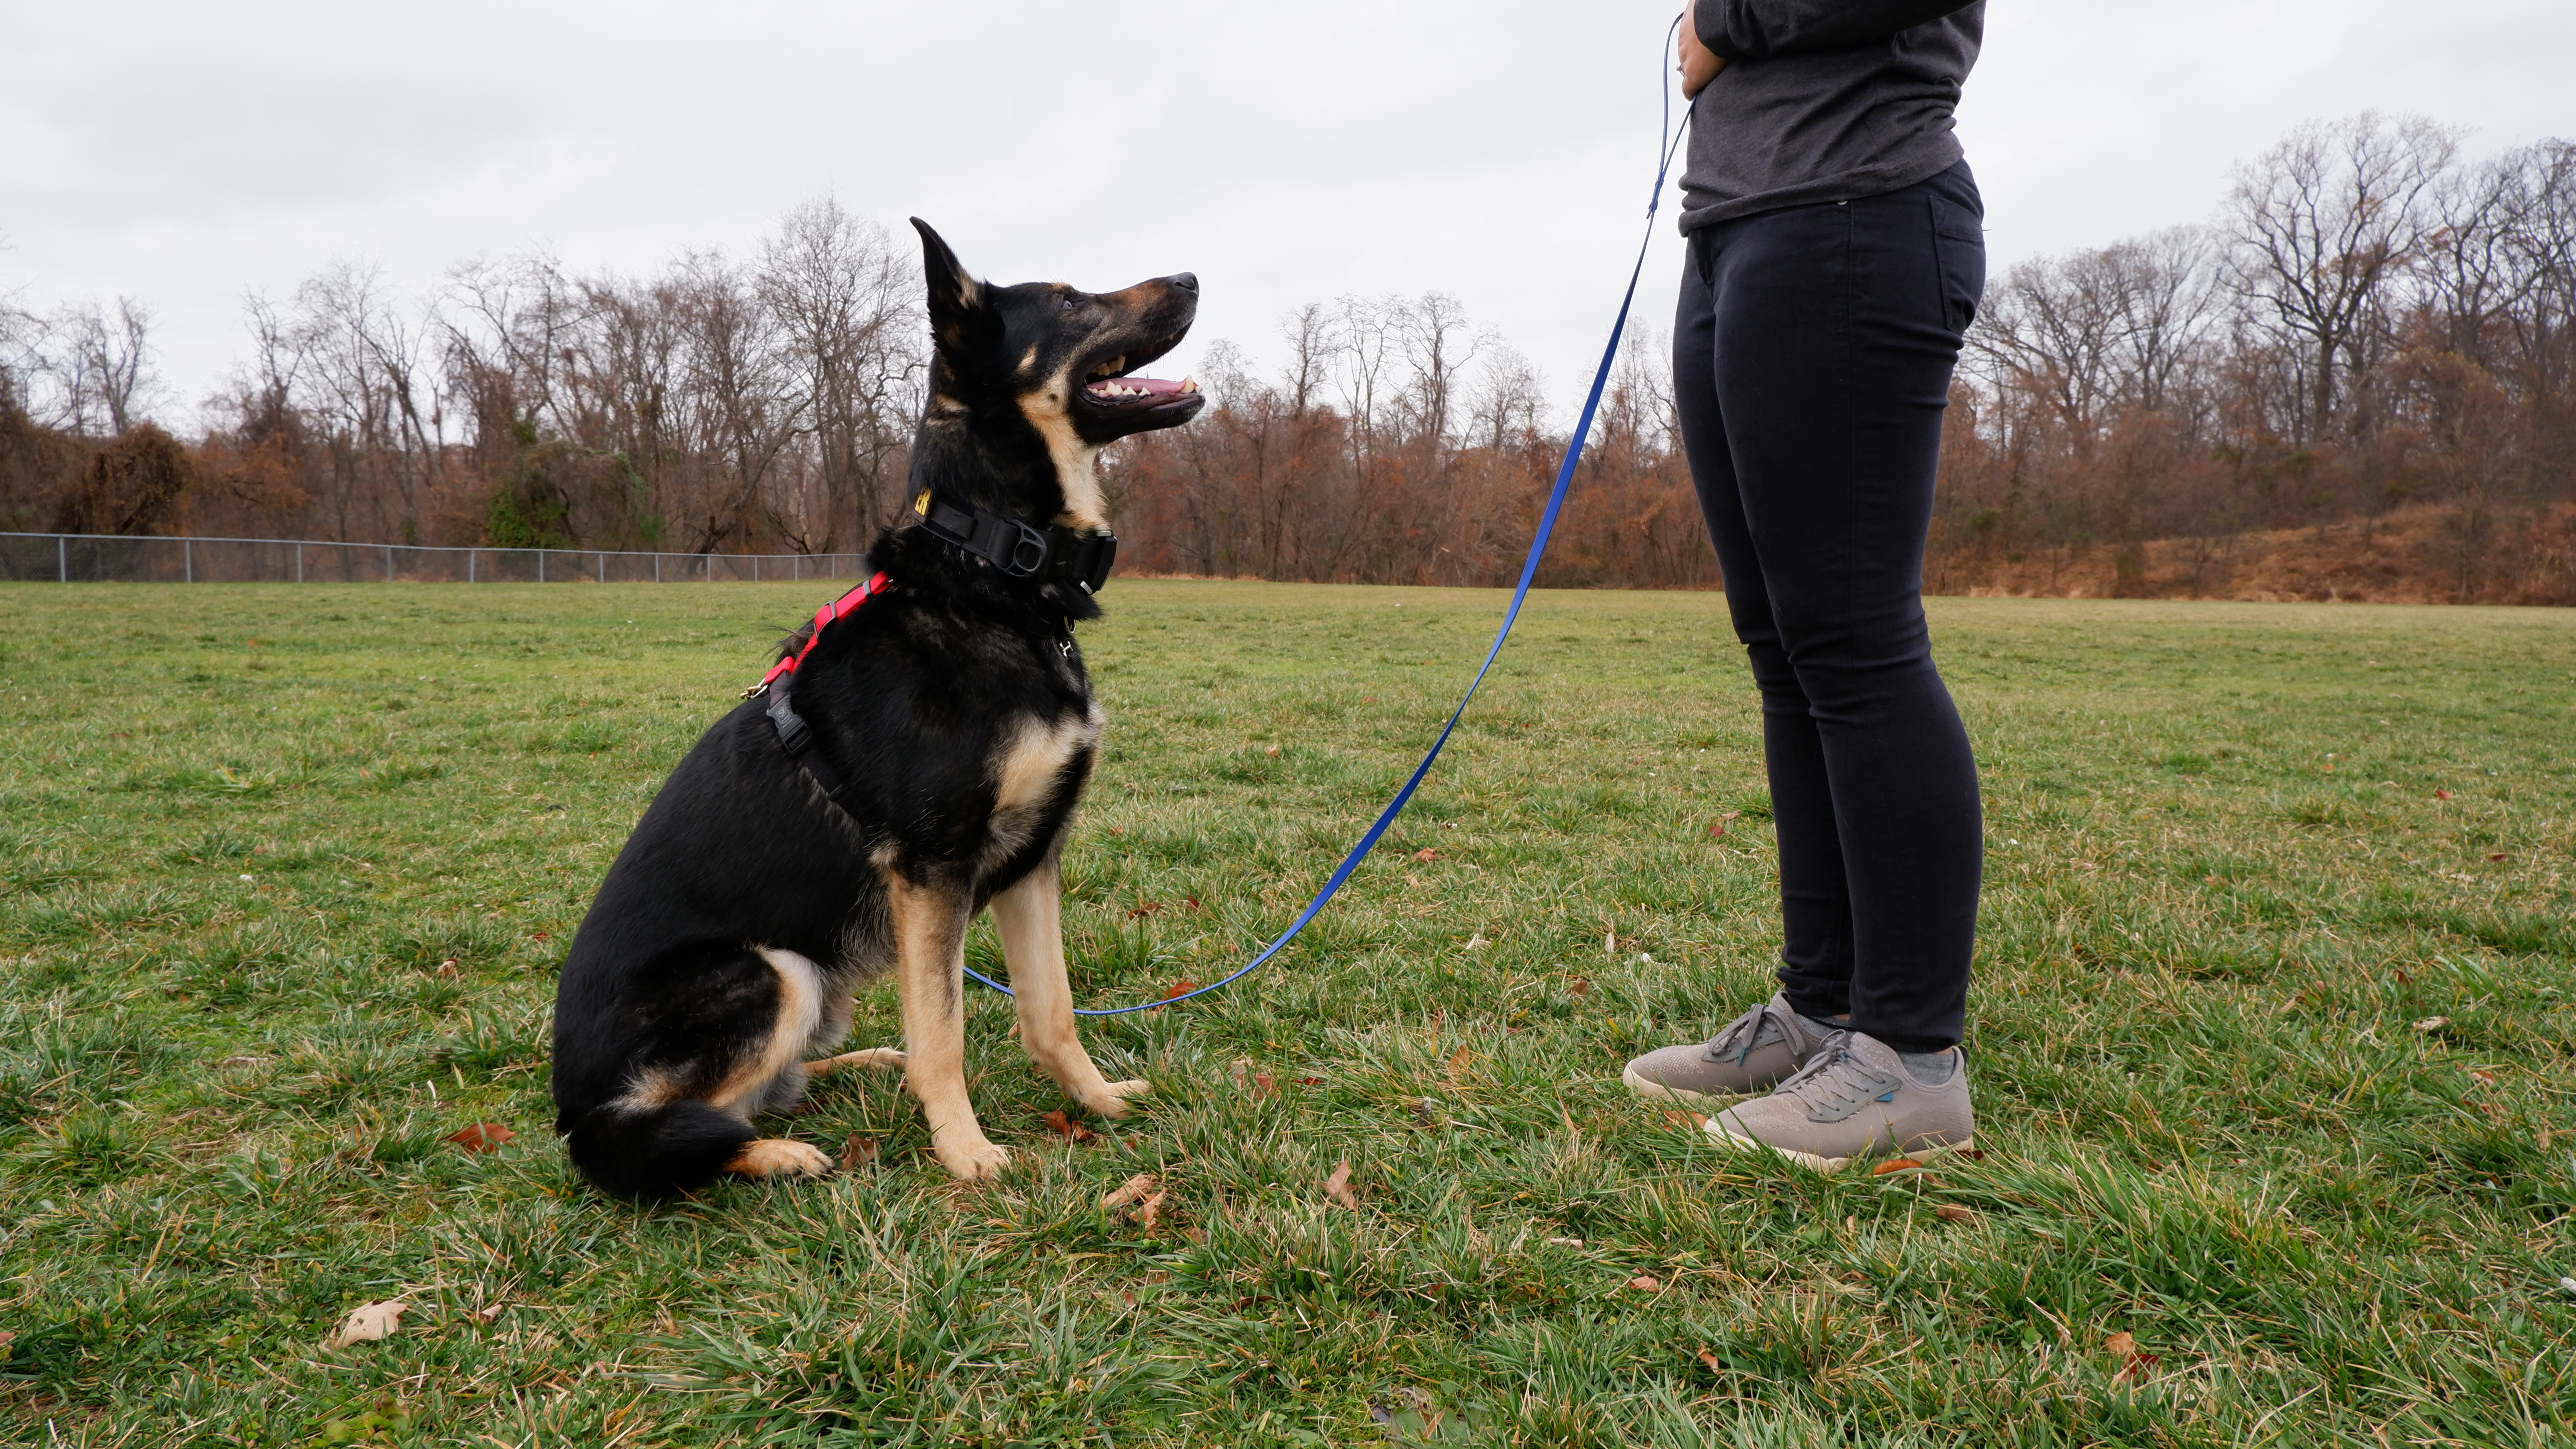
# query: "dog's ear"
(957, 310)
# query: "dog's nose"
(1186, 281)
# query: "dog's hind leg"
(771, 1077)
(930, 975)
(1030, 919)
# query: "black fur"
(911, 699)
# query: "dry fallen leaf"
(1148, 1210)
(1710, 1359)
(1718, 830)
(2483, 1079)
(2442, 795)
(1068, 1129)
(1477, 941)
(1950, 1212)
(858, 1152)
(2433, 1023)
(1134, 1189)
(368, 1322)
(1567, 1242)
(1263, 1086)
(1147, 909)
(1179, 988)
(1893, 1164)
(481, 1137)
(1274, 749)
(1458, 1061)
(1426, 853)
(1610, 944)
(1644, 1282)
(2121, 1343)
(1578, 987)
(2499, 855)
(1310, 1081)
(1338, 1186)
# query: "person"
(1836, 258)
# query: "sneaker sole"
(1925, 1155)
(1657, 1091)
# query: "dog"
(914, 757)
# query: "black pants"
(1811, 364)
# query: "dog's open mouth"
(1110, 386)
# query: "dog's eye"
(1069, 302)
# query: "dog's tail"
(655, 1152)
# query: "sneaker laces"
(1835, 1082)
(1742, 1035)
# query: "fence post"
(657, 568)
(599, 568)
(711, 566)
(299, 563)
(62, 559)
(541, 566)
(188, 558)
(469, 566)
(389, 563)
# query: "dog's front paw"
(975, 1159)
(1111, 1099)
(779, 1157)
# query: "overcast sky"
(186, 154)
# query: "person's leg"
(1835, 329)
(1815, 954)
(1756, 1050)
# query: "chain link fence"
(106, 558)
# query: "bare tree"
(2323, 223)
(845, 299)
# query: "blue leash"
(1529, 570)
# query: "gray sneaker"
(1754, 1053)
(1854, 1100)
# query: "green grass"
(2272, 1060)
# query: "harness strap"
(794, 735)
(1051, 555)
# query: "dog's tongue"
(1139, 386)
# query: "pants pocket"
(1959, 252)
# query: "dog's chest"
(1032, 769)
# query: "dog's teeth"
(1189, 384)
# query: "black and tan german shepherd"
(918, 762)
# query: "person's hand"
(1699, 64)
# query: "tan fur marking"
(1030, 760)
(1029, 917)
(930, 940)
(1075, 459)
(800, 1009)
(779, 1157)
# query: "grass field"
(2271, 1045)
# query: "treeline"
(721, 405)
(2374, 343)
(2368, 351)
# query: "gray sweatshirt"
(1824, 100)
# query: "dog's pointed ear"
(956, 298)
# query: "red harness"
(823, 617)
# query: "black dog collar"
(1051, 555)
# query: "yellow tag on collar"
(921, 504)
